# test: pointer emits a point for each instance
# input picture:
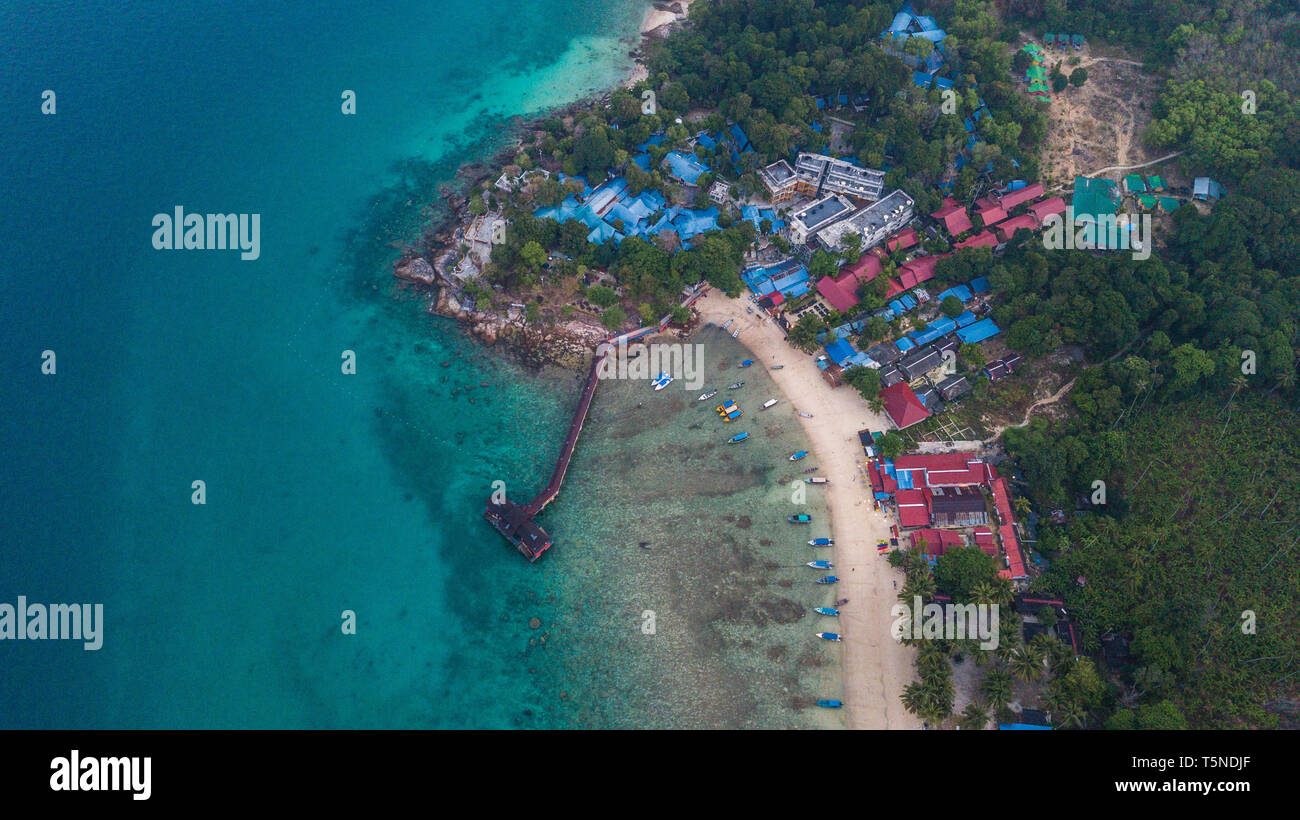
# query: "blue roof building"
(978, 332)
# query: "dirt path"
(1156, 161)
(1052, 399)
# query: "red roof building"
(1007, 229)
(913, 508)
(937, 542)
(902, 405)
(902, 240)
(1011, 546)
(1013, 198)
(918, 270)
(864, 270)
(1047, 207)
(835, 294)
(992, 215)
(842, 291)
(985, 541)
(1002, 501)
(953, 216)
(943, 469)
(984, 239)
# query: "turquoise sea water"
(325, 492)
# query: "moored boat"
(811, 470)
(778, 367)
(746, 362)
(768, 403)
(736, 386)
(806, 415)
(827, 610)
(829, 579)
(829, 636)
(708, 395)
(727, 324)
(737, 438)
(662, 380)
(822, 542)
(829, 704)
(817, 479)
(821, 564)
(735, 333)
(801, 518)
(798, 455)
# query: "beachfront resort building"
(873, 223)
(818, 214)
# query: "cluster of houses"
(943, 501)
(994, 219)
(947, 500)
(611, 211)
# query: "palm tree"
(922, 585)
(1027, 664)
(985, 593)
(974, 716)
(996, 687)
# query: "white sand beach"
(654, 18)
(876, 668)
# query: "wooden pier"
(516, 522)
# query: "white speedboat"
(662, 380)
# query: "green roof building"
(1094, 198)
(1148, 201)
(1036, 72)
(1155, 183)
(1049, 39)
(1170, 204)
(1133, 184)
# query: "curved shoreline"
(876, 667)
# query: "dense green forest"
(1186, 418)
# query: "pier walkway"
(516, 522)
(548, 495)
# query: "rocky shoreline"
(423, 265)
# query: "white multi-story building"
(819, 175)
(815, 216)
(873, 223)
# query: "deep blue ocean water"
(329, 492)
(325, 492)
